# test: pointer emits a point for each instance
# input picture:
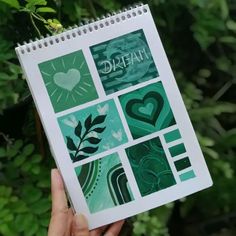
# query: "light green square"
(104, 183)
(92, 130)
(188, 175)
(68, 81)
(172, 136)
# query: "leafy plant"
(199, 38)
(35, 9)
(24, 191)
(91, 126)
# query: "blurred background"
(199, 37)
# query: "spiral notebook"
(114, 117)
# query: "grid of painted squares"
(121, 63)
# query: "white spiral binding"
(89, 26)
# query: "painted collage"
(97, 129)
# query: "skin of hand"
(64, 223)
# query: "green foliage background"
(199, 37)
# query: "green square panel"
(68, 81)
(104, 183)
(172, 136)
(124, 61)
(177, 149)
(92, 130)
(187, 175)
(147, 110)
(150, 166)
(182, 164)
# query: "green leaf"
(93, 140)
(41, 231)
(78, 130)
(31, 194)
(12, 3)
(19, 207)
(41, 206)
(44, 183)
(44, 220)
(31, 228)
(3, 202)
(19, 160)
(99, 130)
(228, 39)
(45, 9)
(2, 152)
(229, 139)
(89, 149)
(28, 149)
(80, 157)
(37, 2)
(11, 152)
(98, 120)
(72, 156)
(36, 158)
(5, 229)
(35, 169)
(18, 144)
(88, 122)
(224, 8)
(231, 25)
(26, 167)
(70, 144)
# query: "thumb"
(80, 226)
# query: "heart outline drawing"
(67, 80)
(148, 116)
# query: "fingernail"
(81, 221)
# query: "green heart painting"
(104, 183)
(124, 61)
(68, 81)
(147, 110)
(150, 166)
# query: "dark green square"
(150, 166)
(182, 164)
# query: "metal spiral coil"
(85, 27)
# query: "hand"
(64, 223)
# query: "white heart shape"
(67, 80)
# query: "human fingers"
(98, 231)
(80, 226)
(57, 226)
(115, 228)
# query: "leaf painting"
(86, 144)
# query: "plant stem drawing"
(80, 151)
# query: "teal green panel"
(104, 183)
(188, 175)
(124, 61)
(92, 130)
(147, 110)
(177, 150)
(150, 166)
(68, 81)
(182, 164)
(172, 136)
